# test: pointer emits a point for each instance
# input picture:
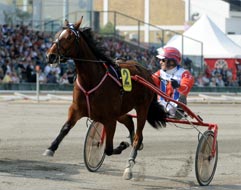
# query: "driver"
(172, 79)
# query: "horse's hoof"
(127, 175)
(141, 146)
(48, 152)
(124, 145)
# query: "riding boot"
(180, 112)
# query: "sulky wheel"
(205, 163)
(94, 146)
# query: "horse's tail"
(156, 114)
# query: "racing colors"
(162, 79)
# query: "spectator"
(57, 71)
(230, 82)
(202, 80)
(47, 69)
(226, 73)
(7, 78)
(187, 63)
(64, 79)
(239, 79)
(42, 77)
(51, 77)
(6, 66)
(213, 82)
(1, 75)
(70, 74)
(30, 72)
(216, 71)
(219, 80)
(14, 77)
(207, 71)
(22, 70)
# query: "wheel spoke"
(94, 147)
(205, 164)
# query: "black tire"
(205, 164)
(94, 149)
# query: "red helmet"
(169, 53)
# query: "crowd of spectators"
(22, 49)
(218, 77)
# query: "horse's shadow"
(38, 169)
(139, 176)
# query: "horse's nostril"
(51, 58)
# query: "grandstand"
(24, 43)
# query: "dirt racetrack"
(166, 162)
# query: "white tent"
(215, 43)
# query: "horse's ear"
(77, 24)
(66, 22)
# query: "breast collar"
(115, 78)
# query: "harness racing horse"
(98, 92)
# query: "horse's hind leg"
(129, 124)
(136, 143)
(73, 117)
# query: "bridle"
(67, 51)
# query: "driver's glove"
(175, 84)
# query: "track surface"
(166, 162)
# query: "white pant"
(170, 107)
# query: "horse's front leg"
(73, 117)
(129, 124)
(110, 131)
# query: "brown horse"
(98, 92)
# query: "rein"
(87, 93)
(86, 60)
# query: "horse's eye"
(68, 38)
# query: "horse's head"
(65, 42)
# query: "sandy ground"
(166, 162)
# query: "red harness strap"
(87, 93)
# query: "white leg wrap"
(48, 153)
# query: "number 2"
(126, 77)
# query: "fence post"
(163, 38)
(91, 19)
(139, 32)
(37, 82)
(202, 64)
(115, 24)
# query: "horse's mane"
(95, 46)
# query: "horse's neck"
(90, 73)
